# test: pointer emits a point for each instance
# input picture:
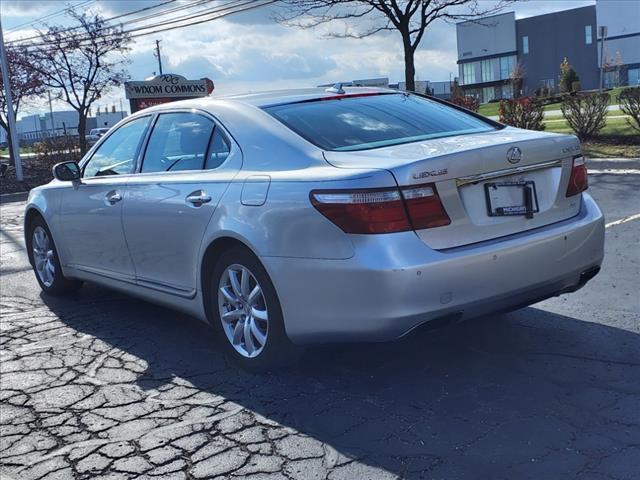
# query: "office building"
(494, 50)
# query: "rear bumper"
(395, 283)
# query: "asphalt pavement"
(101, 385)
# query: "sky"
(251, 52)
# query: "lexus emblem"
(514, 155)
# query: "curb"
(13, 197)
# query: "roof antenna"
(337, 88)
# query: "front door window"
(117, 154)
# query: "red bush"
(470, 103)
(524, 112)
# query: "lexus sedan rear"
(305, 216)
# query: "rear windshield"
(372, 121)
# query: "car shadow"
(531, 394)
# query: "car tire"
(45, 261)
(248, 321)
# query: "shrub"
(525, 112)
(629, 100)
(585, 113)
(470, 103)
(552, 99)
(569, 80)
(57, 149)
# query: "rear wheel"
(247, 314)
(44, 258)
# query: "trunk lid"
(461, 166)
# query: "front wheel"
(46, 264)
(246, 313)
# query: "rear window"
(365, 122)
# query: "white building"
(437, 89)
(32, 128)
(382, 82)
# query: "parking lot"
(101, 385)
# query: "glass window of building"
(488, 94)
(507, 65)
(634, 76)
(507, 91)
(587, 35)
(469, 73)
(487, 72)
(611, 79)
(525, 45)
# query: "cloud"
(22, 8)
(113, 8)
(250, 51)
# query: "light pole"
(158, 55)
(15, 146)
(53, 125)
(603, 34)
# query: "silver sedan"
(296, 217)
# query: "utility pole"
(53, 125)
(603, 34)
(158, 55)
(15, 146)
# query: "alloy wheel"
(243, 310)
(43, 256)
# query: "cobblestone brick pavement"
(100, 385)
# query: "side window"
(219, 150)
(178, 142)
(116, 155)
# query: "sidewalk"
(558, 113)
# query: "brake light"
(578, 182)
(424, 207)
(382, 210)
(363, 211)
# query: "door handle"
(198, 198)
(113, 197)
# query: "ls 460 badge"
(430, 173)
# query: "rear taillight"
(363, 211)
(384, 210)
(578, 181)
(424, 207)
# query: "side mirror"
(66, 171)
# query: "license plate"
(511, 198)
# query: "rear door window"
(371, 121)
(178, 142)
(218, 151)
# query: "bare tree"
(26, 82)
(82, 63)
(410, 18)
(516, 79)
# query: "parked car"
(305, 216)
(95, 134)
